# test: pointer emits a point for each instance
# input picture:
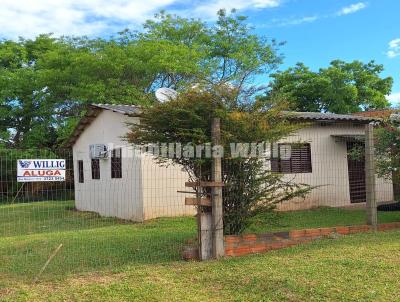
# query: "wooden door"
(356, 167)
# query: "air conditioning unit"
(98, 151)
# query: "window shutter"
(301, 159)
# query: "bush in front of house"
(249, 188)
(387, 149)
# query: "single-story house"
(136, 187)
(394, 115)
(322, 154)
(125, 183)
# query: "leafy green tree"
(249, 187)
(225, 52)
(387, 149)
(231, 58)
(46, 83)
(340, 88)
(25, 118)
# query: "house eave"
(93, 111)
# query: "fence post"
(372, 216)
(217, 211)
(205, 234)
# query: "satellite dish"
(165, 94)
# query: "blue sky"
(316, 31)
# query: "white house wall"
(118, 197)
(160, 190)
(329, 168)
(146, 189)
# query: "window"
(80, 171)
(116, 163)
(291, 158)
(96, 168)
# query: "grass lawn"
(104, 259)
(314, 218)
(363, 267)
(30, 232)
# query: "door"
(356, 167)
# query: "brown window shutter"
(301, 158)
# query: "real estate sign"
(34, 170)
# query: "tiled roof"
(319, 116)
(133, 110)
(384, 113)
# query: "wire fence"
(126, 210)
(105, 214)
(315, 178)
(322, 176)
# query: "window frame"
(81, 175)
(116, 163)
(291, 166)
(95, 168)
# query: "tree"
(388, 153)
(47, 83)
(24, 105)
(230, 57)
(225, 52)
(340, 88)
(249, 187)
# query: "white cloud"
(394, 98)
(76, 17)
(394, 48)
(281, 22)
(352, 8)
(395, 43)
(309, 19)
(208, 9)
(392, 54)
(297, 21)
(88, 17)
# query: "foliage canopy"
(388, 151)
(46, 83)
(249, 187)
(340, 88)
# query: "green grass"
(109, 259)
(47, 216)
(363, 267)
(30, 232)
(314, 218)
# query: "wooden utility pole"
(210, 212)
(216, 195)
(372, 216)
(205, 234)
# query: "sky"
(315, 31)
